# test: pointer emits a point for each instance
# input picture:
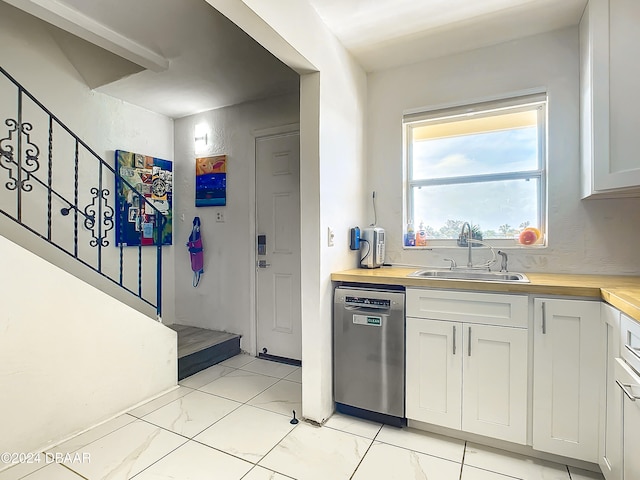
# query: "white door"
(434, 372)
(566, 378)
(278, 262)
(495, 382)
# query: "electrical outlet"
(220, 217)
(330, 236)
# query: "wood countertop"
(623, 292)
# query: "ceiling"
(194, 59)
(383, 34)
(179, 57)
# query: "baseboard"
(285, 360)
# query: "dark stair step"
(200, 348)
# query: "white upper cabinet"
(610, 98)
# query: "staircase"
(53, 185)
(74, 352)
(58, 196)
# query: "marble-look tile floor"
(232, 422)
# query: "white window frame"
(514, 104)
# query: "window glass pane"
(496, 144)
(500, 209)
(501, 151)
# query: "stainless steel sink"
(510, 277)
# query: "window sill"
(496, 245)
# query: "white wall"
(70, 355)
(30, 54)
(332, 119)
(224, 298)
(584, 236)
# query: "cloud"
(453, 163)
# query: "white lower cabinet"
(467, 369)
(468, 375)
(495, 382)
(434, 372)
(628, 381)
(627, 378)
(567, 377)
(610, 451)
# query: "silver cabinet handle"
(544, 318)
(632, 350)
(625, 388)
(469, 341)
(454, 339)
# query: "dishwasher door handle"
(368, 310)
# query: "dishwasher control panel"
(381, 303)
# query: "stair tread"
(194, 339)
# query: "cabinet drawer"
(630, 341)
(469, 307)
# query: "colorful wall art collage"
(152, 182)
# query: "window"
(483, 164)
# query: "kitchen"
(580, 225)
(582, 234)
(585, 236)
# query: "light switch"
(330, 236)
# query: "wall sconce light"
(201, 137)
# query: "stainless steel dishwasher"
(368, 353)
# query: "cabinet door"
(624, 69)
(632, 436)
(567, 360)
(434, 372)
(609, 36)
(495, 382)
(610, 457)
(629, 383)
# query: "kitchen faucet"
(469, 241)
(503, 265)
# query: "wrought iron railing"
(67, 199)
